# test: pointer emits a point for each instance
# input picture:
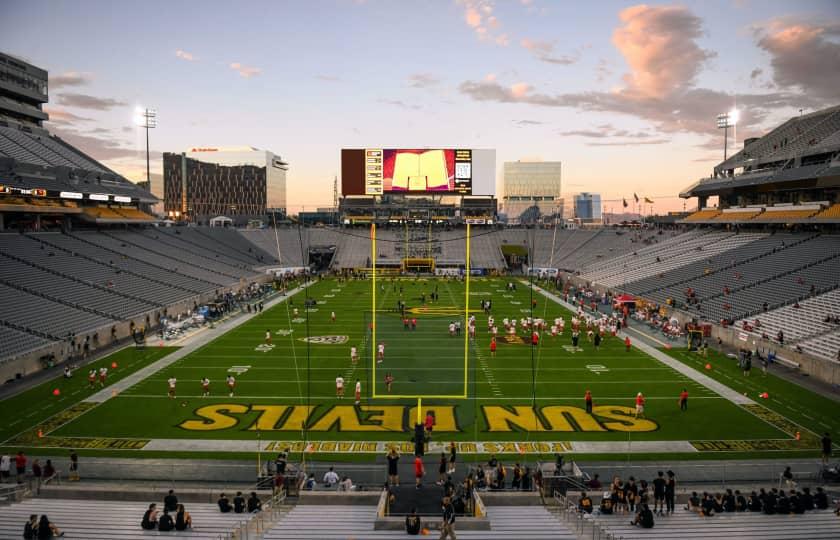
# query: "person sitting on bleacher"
(31, 527)
(807, 499)
(150, 519)
(183, 519)
(412, 523)
(49, 472)
(707, 506)
(47, 530)
(585, 503)
(644, 517)
(783, 504)
(729, 501)
(754, 503)
(693, 503)
(166, 523)
(254, 503)
(170, 502)
(606, 507)
(239, 503)
(224, 504)
(796, 506)
(740, 502)
(820, 499)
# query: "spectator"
(49, 472)
(330, 478)
(310, 482)
(5, 467)
(74, 466)
(659, 493)
(442, 466)
(170, 502)
(729, 501)
(37, 473)
(754, 502)
(594, 482)
(20, 466)
(166, 523)
(788, 476)
(224, 504)
(807, 499)
(585, 503)
(447, 526)
(820, 499)
(278, 484)
(412, 523)
(31, 527)
(150, 519)
(239, 503)
(183, 519)
(393, 461)
(670, 492)
(526, 479)
(826, 447)
(419, 472)
(516, 483)
(707, 506)
(740, 502)
(644, 517)
(693, 503)
(47, 530)
(254, 503)
(346, 484)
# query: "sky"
(625, 95)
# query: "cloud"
(245, 71)
(479, 16)
(544, 52)
(328, 78)
(658, 43)
(62, 117)
(803, 56)
(528, 122)
(607, 131)
(422, 80)
(184, 55)
(84, 101)
(68, 78)
(400, 104)
(629, 143)
(98, 148)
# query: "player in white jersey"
(172, 381)
(380, 353)
(332, 316)
(231, 382)
(354, 356)
(268, 337)
(358, 391)
(205, 387)
(339, 387)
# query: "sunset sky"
(625, 95)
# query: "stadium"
(502, 362)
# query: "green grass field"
(286, 391)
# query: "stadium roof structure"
(801, 153)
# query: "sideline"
(195, 342)
(700, 378)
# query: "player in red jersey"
(493, 346)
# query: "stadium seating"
(790, 213)
(830, 213)
(815, 525)
(826, 345)
(345, 521)
(14, 342)
(703, 215)
(798, 323)
(113, 520)
(742, 215)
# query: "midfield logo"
(283, 332)
(264, 347)
(239, 370)
(325, 340)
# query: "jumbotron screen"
(378, 171)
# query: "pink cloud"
(658, 43)
(245, 71)
(184, 55)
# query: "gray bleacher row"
(42, 150)
(224, 240)
(668, 255)
(335, 522)
(34, 313)
(826, 345)
(815, 525)
(13, 342)
(676, 276)
(800, 322)
(113, 520)
(748, 292)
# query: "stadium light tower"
(147, 120)
(725, 121)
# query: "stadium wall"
(827, 371)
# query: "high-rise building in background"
(588, 207)
(241, 183)
(531, 191)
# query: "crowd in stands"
(774, 501)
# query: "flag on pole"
(625, 202)
(636, 197)
(648, 201)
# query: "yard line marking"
(332, 400)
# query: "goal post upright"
(373, 344)
(467, 310)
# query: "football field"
(523, 399)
